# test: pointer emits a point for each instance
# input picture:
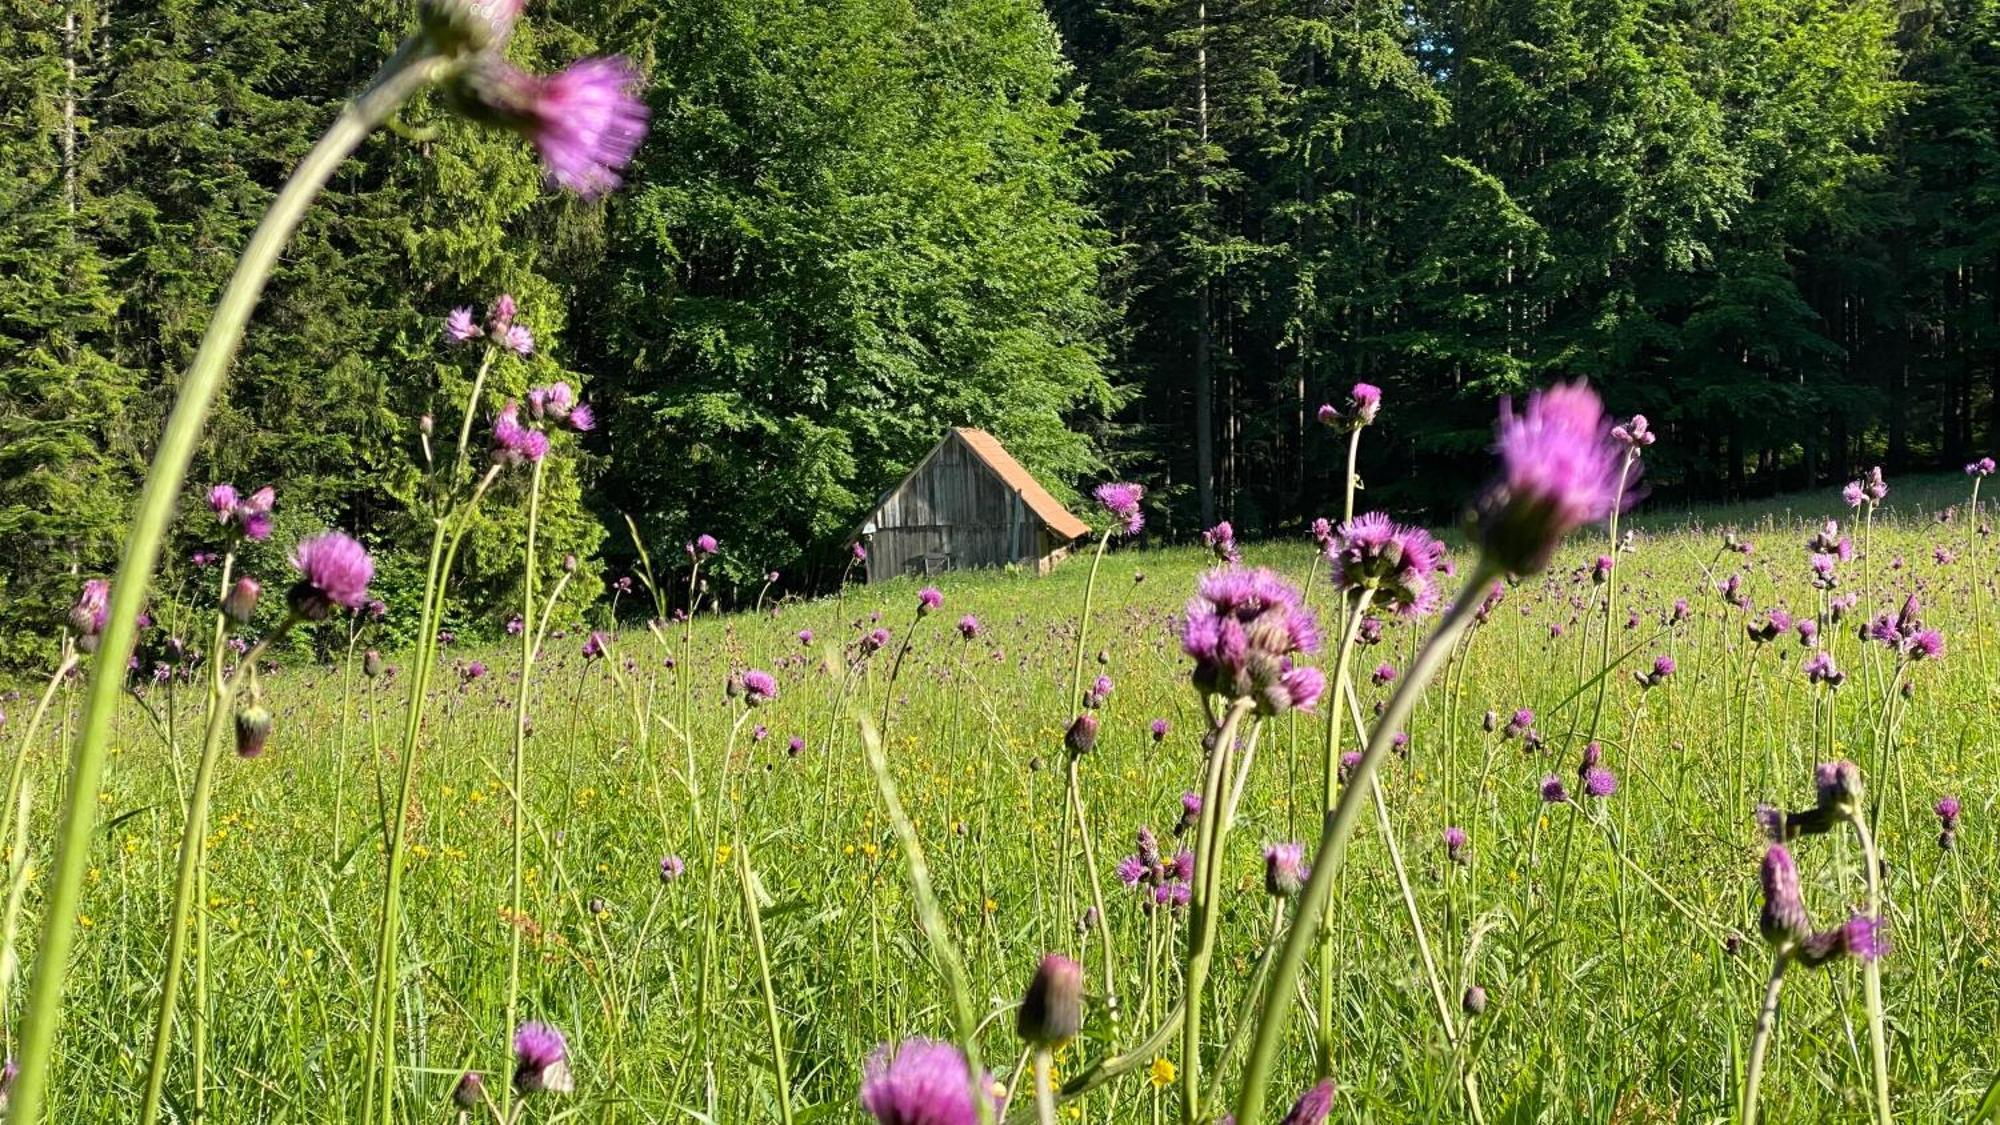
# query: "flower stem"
(756, 921)
(1339, 826)
(520, 771)
(1871, 974)
(1207, 906)
(412, 68)
(1760, 1040)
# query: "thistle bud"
(426, 425)
(470, 1091)
(253, 730)
(1052, 1009)
(569, 563)
(371, 663)
(1082, 734)
(241, 601)
(1839, 786)
(1783, 922)
(1475, 1001)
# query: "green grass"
(1625, 1005)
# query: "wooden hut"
(968, 503)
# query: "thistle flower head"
(920, 1082)
(968, 627)
(928, 600)
(759, 687)
(1454, 844)
(1313, 1107)
(1980, 468)
(1285, 870)
(1852, 494)
(1947, 810)
(1051, 1011)
(1861, 936)
(585, 121)
(1554, 792)
(92, 609)
(515, 443)
(1559, 469)
(1242, 629)
(1221, 539)
(1398, 563)
(461, 327)
(541, 1060)
(334, 571)
(1837, 786)
(1635, 434)
(1783, 922)
(1121, 499)
(1364, 403)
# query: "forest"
(1142, 237)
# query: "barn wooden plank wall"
(958, 512)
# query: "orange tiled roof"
(1045, 506)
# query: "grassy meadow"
(1616, 939)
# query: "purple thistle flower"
(1241, 628)
(460, 327)
(334, 570)
(1099, 692)
(514, 443)
(1980, 468)
(519, 340)
(1373, 552)
(1926, 644)
(1051, 1011)
(1348, 761)
(672, 867)
(1454, 844)
(1364, 403)
(795, 745)
(1322, 535)
(1947, 812)
(920, 1082)
(758, 687)
(1783, 921)
(92, 609)
(582, 418)
(585, 121)
(1874, 486)
(1560, 469)
(928, 600)
(1121, 499)
(1313, 1107)
(1221, 539)
(1633, 435)
(876, 640)
(1600, 571)
(1385, 673)
(1553, 790)
(1599, 782)
(805, 637)
(1159, 727)
(541, 1060)
(515, 625)
(1808, 630)
(1173, 895)
(1819, 669)
(1181, 867)
(1131, 870)
(1285, 871)
(706, 545)
(968, 627)
(222, 499)
(1852, 494)
(597, 645)
(1861, 936)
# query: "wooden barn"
(967, 504)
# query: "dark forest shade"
(967, 504)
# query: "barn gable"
(967, 504)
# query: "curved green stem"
(1209, 835)
(1339, 826)
(412, 68)
(520, 756)
(1871, 975)
(1760, 1040)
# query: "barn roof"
(1046, 507)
